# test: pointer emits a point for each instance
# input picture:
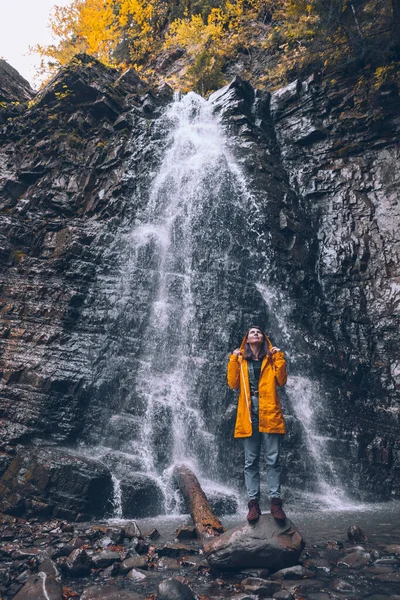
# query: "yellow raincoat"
(273, 371)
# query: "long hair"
(264, 350)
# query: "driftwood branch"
(206, 523)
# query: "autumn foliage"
(285, 37)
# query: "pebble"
(293, 573)
(135, 562)
(105, 559)
(355, 560)
(262, 587)
(136, 575)
(166, 563)
(355, 534)
(341, 585)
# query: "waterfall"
(307, 400)
(190, 270)
(177, 257)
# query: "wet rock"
(116, 535)
(78, 563)
(265, 544)
(135, 562)
(41, 587)
(132, 530)
(49, 567)
(108, 592)
(13, 87)
(141, 547)
(222, 504)
(186, 533)
(260, 573)
(141, 497)
(166, 563)
(136, 575)
(24, 576)
(355, 534)
(340, 585)
(262, 587)
(105, 559)
(65, 483)
(62, 550)
(355, 559)
(154, 534)
(172, 589)
(320, 564)
(295, 572)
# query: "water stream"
(184, 273)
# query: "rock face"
(316, 255)
(41, 587)
(13, 87)
(266, 544)
(46, 483)
(341, 157)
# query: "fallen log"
(207, 525)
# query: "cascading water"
(307, 399)
(179, 255)
(191, 267)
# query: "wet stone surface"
(94, 561)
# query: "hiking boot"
(254, 511)
(277, 510)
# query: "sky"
(23, 23)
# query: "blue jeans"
(252, 449)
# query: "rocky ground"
(60, 560)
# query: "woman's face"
(255, 336)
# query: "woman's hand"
(237, 352)
(274, 349)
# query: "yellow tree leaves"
(276, 39)
(83, 26)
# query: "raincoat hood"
(246, 334)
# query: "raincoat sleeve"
(280, 368)
(233, 372)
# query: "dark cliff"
(76, 163)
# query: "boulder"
(267, 544)
(222, 503)
(78, 563)
(141, 497)
(132, 530)
(52, 481)
(355, 534)
(105, 559)
(296, 572)
(40, 587)
(135, 562)
(173, 589)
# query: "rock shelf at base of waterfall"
(58, 560)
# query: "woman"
(255, 368)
